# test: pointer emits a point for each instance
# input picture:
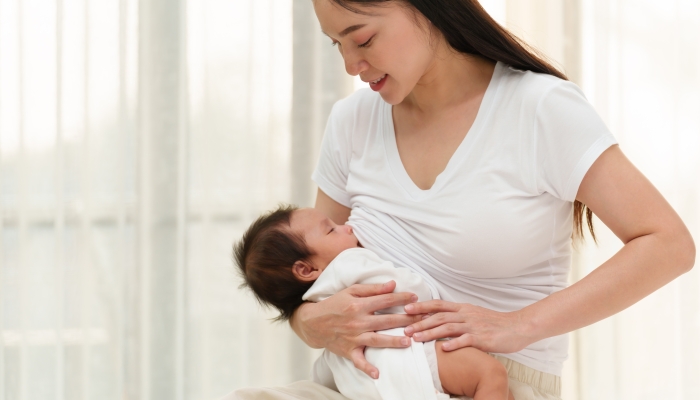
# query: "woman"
(472, 165)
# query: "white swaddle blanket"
(408, 373)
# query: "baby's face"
(325, 238)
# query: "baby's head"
(284, 251)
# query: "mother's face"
(390, 47)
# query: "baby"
(293, 255)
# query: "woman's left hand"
(470, 326)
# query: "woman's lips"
(378, 85)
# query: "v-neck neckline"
(392, 151)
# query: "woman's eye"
(366, 44)
(333, 43)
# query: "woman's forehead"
(336, 20)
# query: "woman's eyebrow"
(348, 30)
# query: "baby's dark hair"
(265, 256)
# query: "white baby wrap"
(408, 373)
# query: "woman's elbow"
(684, 251)
(690, 258)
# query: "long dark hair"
(469, 29)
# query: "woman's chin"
(391, 97)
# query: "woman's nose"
(354, 64)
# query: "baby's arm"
(473, 373)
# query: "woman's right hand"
(345, 323)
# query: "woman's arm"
(658, 248)
(334, 210)
(345, 322)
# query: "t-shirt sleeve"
(570, 136)
(331, 173)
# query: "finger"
(383, 301)
(357, 356)
(433, 321)
(431, 306)
(449, 330)
(390, 321)
(372, 290)
(465, 340)
(373, 339)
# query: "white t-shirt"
(495, 228)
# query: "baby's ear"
(304, 271)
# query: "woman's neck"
(452, 79)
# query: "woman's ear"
(305, 271)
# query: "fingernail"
(405, 342)
(445, 346)
(375, 375)
(417, 335)
(414, 298)
(409, 330)
(409, 307)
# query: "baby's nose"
(348, 228)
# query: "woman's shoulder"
(532, 87)
(356, 117)
(360, 103)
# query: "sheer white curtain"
(139, 138)
(639, 64)
(641, 68)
